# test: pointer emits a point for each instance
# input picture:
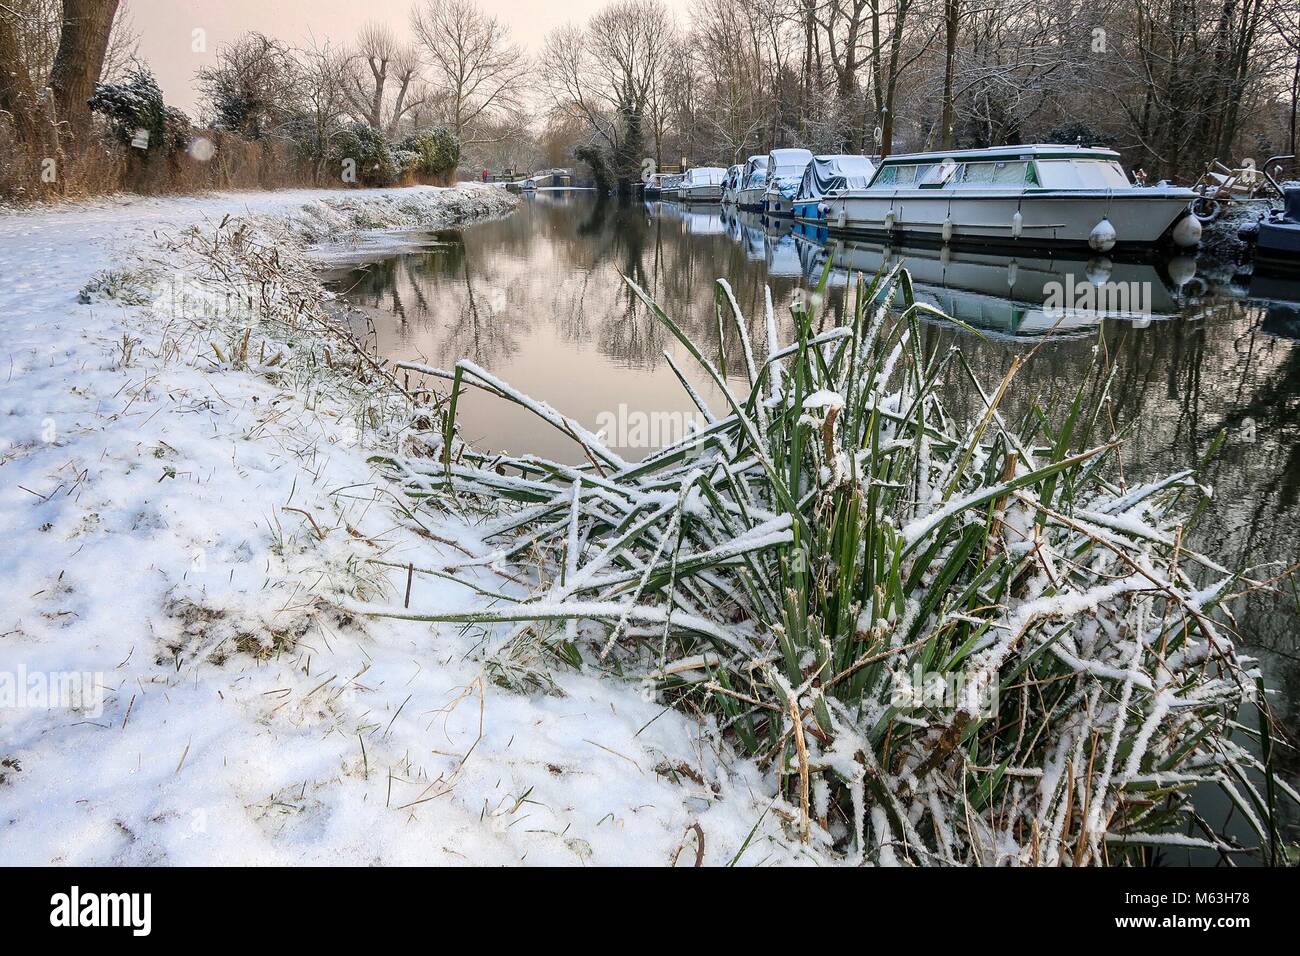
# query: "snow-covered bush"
(433, 153)
(951, 644)
(137, 114)
(366, 147)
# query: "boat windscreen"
(995, 173)
(1081, 174)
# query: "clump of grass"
(954, 645)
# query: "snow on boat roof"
(704, 175)
(1003, 152)
(849, 164)
(789, 157)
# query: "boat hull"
(704, 193)
(751, 199)
(809, 211)
(774, 204)
(1045, 218)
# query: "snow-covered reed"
(953, 644)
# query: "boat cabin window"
(1081, 174)
(902, 175)
(1001, 173)
(940, 175)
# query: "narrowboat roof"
(1033, 151)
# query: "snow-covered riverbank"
(179, 498)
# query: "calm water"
(539, 299)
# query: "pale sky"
(166, 27)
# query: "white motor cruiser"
(753, 183)
(670, 186)
(785, 169)
(1032, 196)
(731, 185)
(702, 184)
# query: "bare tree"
(891, 56)
(382, 80)
(62, 46)
(255, 87)
(324, 73)
(605, 75)
(477, 73)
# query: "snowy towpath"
(169, 526)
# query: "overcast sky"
(166, 27)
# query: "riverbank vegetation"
(639, 85)
(81, 114)
(951, 642)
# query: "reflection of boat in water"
(664, 209)
(702, 221)
(1018, 296)
(811, 231)
(1281, 301)
(777, 226)
(747, 228)
(814, 256)
(781, 252)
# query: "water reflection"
(539, 298)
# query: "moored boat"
(1027, 196)
(654, 184)
(1276, 238)
(671, 185)
(731, 185)
(702, 184)
(753, 183)
(825, 176)
(785, 169)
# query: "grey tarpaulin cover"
(826, 173)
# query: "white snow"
(174, 526)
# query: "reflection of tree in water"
(1174, 385)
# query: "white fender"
(1102, 238)
(1187, 232)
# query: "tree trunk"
(951, 16)
(83, 41)
(1295, 101)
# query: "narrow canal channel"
(540, 300)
